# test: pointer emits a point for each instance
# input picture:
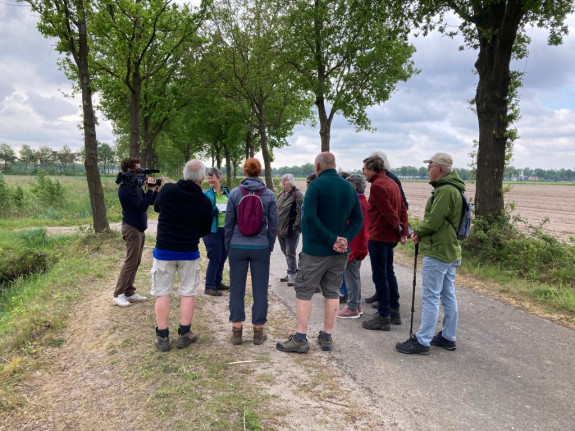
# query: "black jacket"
(185, 216)
(135, 203)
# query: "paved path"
(511, 370)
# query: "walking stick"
(413, 295)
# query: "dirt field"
(534, 202)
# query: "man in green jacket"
(331, 219)
(442, 255)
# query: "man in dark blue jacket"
(135, 205)
(185, 216)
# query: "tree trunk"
(91, 145)
(324, 123)
(250, 147)
(135, 102)
(266, 154)
(228, 165)
(491, 100)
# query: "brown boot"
(259, 335)
(236, 336)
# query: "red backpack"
(251, 212)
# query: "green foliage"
(522, 249)
(26, 254)
(48, 191)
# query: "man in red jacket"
(388, 225)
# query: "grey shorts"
(163, 273)
(324, 272)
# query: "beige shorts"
(163, 273)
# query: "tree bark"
(135, 101)
(324, 123)
(491, 100)
(264, 145)
(91, 145)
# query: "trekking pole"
(413, 295)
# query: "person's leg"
(162, 309)
(162, 279)
(378, 259)
(433, 273)
(142, 241)
(260, 273)
(189, 276)
(212, 243)
(449, 302)
(290, 251)
(391, 279)
(330, 309)
(302, 313)
(238, 273)
(353, 282)
(134, 246)
(333, 268)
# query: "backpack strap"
(462, 201)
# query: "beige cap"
(442, 159)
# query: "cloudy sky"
(427, 114)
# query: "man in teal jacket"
(442, 255)
(331, 219)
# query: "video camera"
(138, 177)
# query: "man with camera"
(135, 205)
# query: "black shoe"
(284, 279)
(222, 287)
(186, 339)
(326, 345)
(412, 347)
(371, 299)
(375, 304)
(377, 323)
(395, 317)
(343, 299)
(213, 292)
(439, 341)
(163, 343)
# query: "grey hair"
(358, 182)
(290, 178)
(374, 163)
(215, 172)
(194, 171)
(383, 156)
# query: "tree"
(27, 155)
(66, 157)
(349, 54)
(7, 155)
(106, 156)
(498, 30)
(66, 20)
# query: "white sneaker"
(136, 298)
(122, 301)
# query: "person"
(185, 217)
(214, 241)
(343, 289)
(331, 220)
(387, 169)
(359, 250)
(388, 225)
(310, 178)
(442, 255)
(135, 205)
(250, 251)
(290, 202)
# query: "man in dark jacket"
(135, 205)
(185, 217)
(388, 225)
(442, 255)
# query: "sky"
(428, 114)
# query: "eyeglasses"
(431, 165)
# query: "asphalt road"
(511, 370)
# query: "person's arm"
(230, 220)
(440, 208)
(272, 218)
(298, 205)
(311, 219)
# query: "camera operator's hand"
(151, 184)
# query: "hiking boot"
(440, 341)
(222, 287)
(186, 339)
(122, 301)
(136, 298)
(395, 317)
(259, 336)
(412, 347)
(293, 346)
(375, 304)
(213, 292)
(371, 299)
(291, 282)
(377, 323)
(348, 313)
(237, 336)
(326, 345)
(342, 299)
(163, 343)
(284, 279)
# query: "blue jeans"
(259, 263)
(217, 255)
(438, 280)
(353, 283)
(383, 276)
(288, 247)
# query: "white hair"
(290, 178)
(383, 156)
(194, 171)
